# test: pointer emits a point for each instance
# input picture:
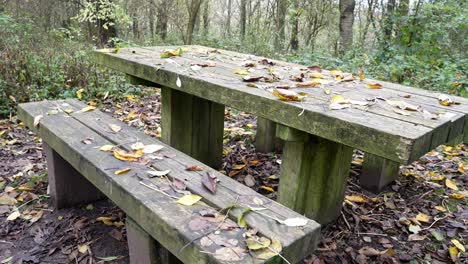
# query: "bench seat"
(73, 138)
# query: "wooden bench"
(158, 227)
(318, 141)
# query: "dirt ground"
(421, 218)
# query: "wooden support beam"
(193, 125)
(377, 172)
(265, 139)
(144, 249)
(67, 186)
(313, 174)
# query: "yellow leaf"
(69, 111)
(132, 115)
(88, 109)
(287, 95)
(106, 148)
(336, 72)
(320, 81)
(458, 195)
(115, 128)
(79, 93)
(362, 75)
(461, 167)
(316, 75)
(105, 220)
(453, 252)
(257, 243)
(92, 103)
(440, 208)
(423, 218)
(338, 99)
(267, 188)
(127, 156)
(132, 98)
(274, 249)
(12, 98)
(189, 199)
(83, 248)
(13, 216)
(241, 72)
(374, 85)
(356, 198)
(451, 184)
(445, 100)
(458, 245)
(238, 166)
(122, 171)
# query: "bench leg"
(265, 139)
(143, 249)
(377, 172)
(313, 174)
(66, 185)
(193, 125)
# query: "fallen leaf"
(287, 95)
(194, 168)
(79, 93)
(7, 200)
(37, 120)
(267, 188)
(445, 100)
(241, 217)
(423, 218)
(106, 148)
(362, 75)
(115, 128)
(453, 252)
(451, 184)
(149, 149)
(339, 99)
(156, 173)
(414, 229)
(167, 53)
(209, 180)
(458, 245)
(12, 98)
(83, 248)
(416, 237)
(179, 184)
(127, 155)
(13, 216)
(437, 235)
(374, 85)
(440, 208)
(122, 171)
(356, 198)
(274, 249)
(238, 166)
(249, 78)
(295, 222)
(241, 72)
(257, 243)
(370, 252)
(403, 105)
(317, 75)
(88, 109)
(189, 199)
(458, 195)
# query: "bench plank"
(297, 243)
(388, 139)
(150, 209)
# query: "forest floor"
(422, 217)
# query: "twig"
(420, 197)
(346, 221)
(7, 242)
(436, 220)
(37, 198)
(161, 192)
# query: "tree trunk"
(281, 9)
(193, 10)
(106, 30)
(243, 18)
(295, 13)
(161, 25)
(228, 19)
(388, 23)
(151, 14)
(206, 17)
(346, 25)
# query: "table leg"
(313, 174)
(377, 172)
(265, 139)
(193, 125)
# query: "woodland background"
(45, 44)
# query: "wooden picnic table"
(319, 140)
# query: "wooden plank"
(157, 214)
(313, 174)
(297, 243)
(389, 140)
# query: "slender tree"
(193, 7)
(346, 25)
(281, 10)
(243, 18)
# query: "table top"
(393, 121)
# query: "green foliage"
(104, 10)
(38, 65)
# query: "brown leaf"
(314, 68)
(249, 78)
(210, 181)
(178, 184)
(194, 168)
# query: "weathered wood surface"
(376, 129)
(127, 193)
(377, 173)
